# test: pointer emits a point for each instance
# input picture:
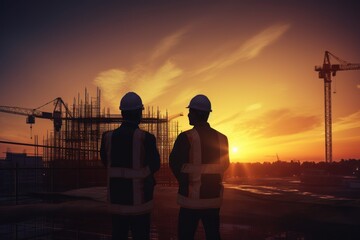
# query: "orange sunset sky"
(254, 60)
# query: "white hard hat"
(131, 101)
(200, 102)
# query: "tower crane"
(326, 71)
(55, 116)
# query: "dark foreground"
(271, 209)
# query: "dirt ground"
(244, 215)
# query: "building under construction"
(71, 152)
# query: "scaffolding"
(76, 145)
(80, 137)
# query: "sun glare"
(235, 149)
(234, 153)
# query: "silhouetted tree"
(344, 167)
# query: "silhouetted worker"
(132, 158)
(198, 160)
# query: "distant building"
(20, 174)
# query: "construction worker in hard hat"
(198, 160)
(131, 157)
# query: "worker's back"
(122, 148)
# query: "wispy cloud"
(280, 122)
(147, 83)
(183, 97)
(168, 43)
(154, 84)
(254, 107)
(147, 78)
(235, 117)
(112, 83)
(156, 74)
(346, 123)
(251, 48)
(229, 119)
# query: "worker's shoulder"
(106, 132)
(185, 133)
(220, 133)
(208, 129)
(147, 134)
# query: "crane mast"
(326, 71)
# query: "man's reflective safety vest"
(196, 169)
(137, 174)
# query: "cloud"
(280, 122)
(148, 83)
(154, 84)
(155, 75)
(251, 48)
(234, 117)
(358, 86)
(168, 43)
(112, 84)
(254, 107)
(148, 78)
(231, 118)
(351, 121)
(183, 97)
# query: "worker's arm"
(103, 154)
(151, 153)
(225, 157)
(179, 155)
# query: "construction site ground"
(260, 210)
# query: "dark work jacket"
(211, 153)
(121, 189)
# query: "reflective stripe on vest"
(137, 174)
(138, 151)
(195, 168)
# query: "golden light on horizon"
(234, 153)
(235, 149)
